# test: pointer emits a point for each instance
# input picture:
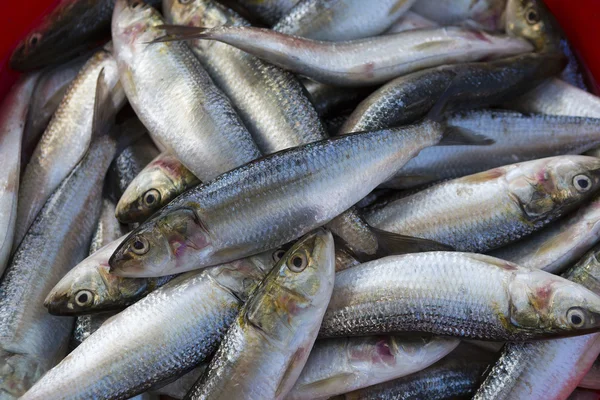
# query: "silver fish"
(85, 325)
(485, 14)
(153, 75)
(13, 112)
(338, 20)
(362, 62)
(269, 11)
(457, 294)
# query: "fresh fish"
(456, 376)
(269, 11)
(276, 328)
(85, 325)
(160, 337)
(340, 365)
(591, 380)
(31, 340)
(153, 75)
(338, 20)
(558, 245)
(549, 369)
(48, 94)
(362, 62)
(517, 138)
(331, 100)
(485, 14)
(531, 20)
(484, 211)
(281, 197)
(409, 21)
(163, 179)
(131, 162)
(13, 112)
(65, 140)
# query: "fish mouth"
(58, 305)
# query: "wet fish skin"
(65, 140)
(409, 21)
(85, 325)
(410, 97)
(331, 100)
(484, 14)
(343, 63)
(457, 294)
(213, 142)
(269, 11)
(160, 337)
(276, 328)
(517, 138)
(209, 229)
(163, 179)
(531, 19)
(341, 365)
(13, 111)
(336, 20)
(511, 202)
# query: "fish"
(337, 20)
(13, 111)
(179, 388)
(467, 295)
(490, 209)
(31, 340)
(161, 180)
(411, 20)
(152, 75)
(517, 138)
(202, 227)
(361, 62)
(160, 337)
(408, 98)
(333, 100)
(276, 328)
(531, 19)
(85, 325)
(559, 245)
(591, 380)
(548, 369)
(269, 11)
(483, 14)
(65, 140)
(337, 366)
(456, 376)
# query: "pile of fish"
(299, 199)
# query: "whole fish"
(591, 380)
(531, 19)
(517, 138)
(456, 376)
(338, 20)
(457, 294)
(160, 337)
(485, 14)
(31, 340)
(410, 97)
(269, 11)
(163, 179)
(276, 328)
(65, 140)
(548, 369)
(13, 112)
(215, 140)
(409, 21)
(487, 210)
(338, 366)
(558, 245)
(362, 62)
(277, 199)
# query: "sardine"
(337, 366)
(153, 75)
(13, 112)
(85, 325)
(31, 340)
(331, 100)
(65, 140)
(269, 202)
(276, 328)
(485, 14)
(361, 62)
(338, 20)
(484, 211)
(549, 369)
(457, 294)
(531, 20)
(269, 11)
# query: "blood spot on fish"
(383, 352)
(480, 36)
(369, 68)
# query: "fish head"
(549, 187)
(531, 19)
(171, 242)
(135, 24)
(547, 304)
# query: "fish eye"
(151, 197)
(278, 254)
(575, 317)
(532, 16)
(298, 262)
(83, 298)
(140, 246)
(582, 183)
(34, 39)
